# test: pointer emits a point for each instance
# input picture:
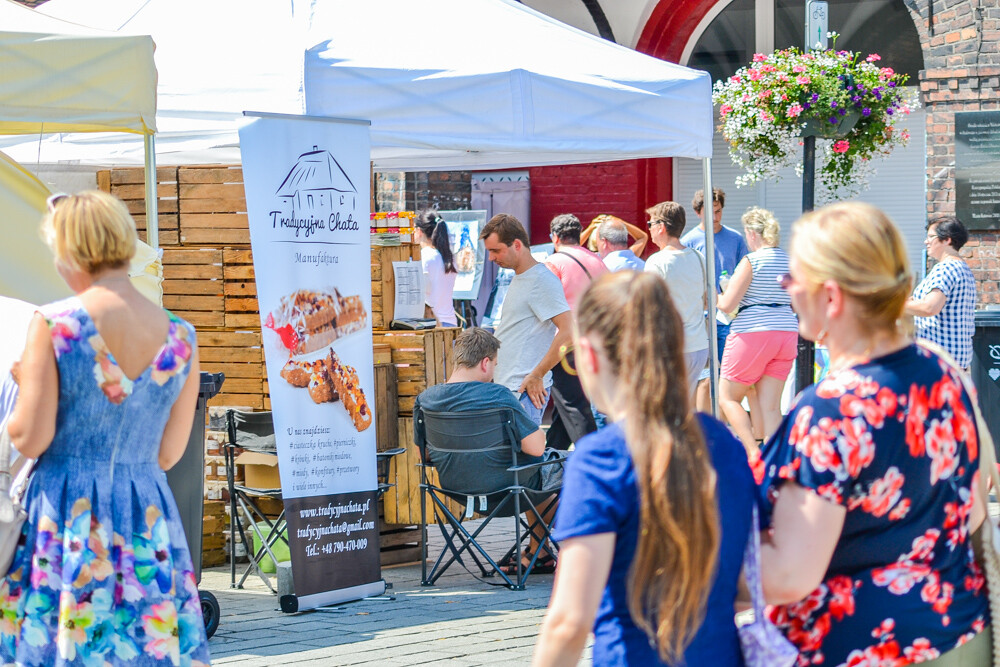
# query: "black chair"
(254, 432)
(474, 434)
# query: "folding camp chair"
(254, 432)
(475, 434)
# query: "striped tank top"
(765, 306)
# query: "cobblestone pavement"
(459, 621)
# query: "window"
(733, 36)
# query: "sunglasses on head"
(54, 200)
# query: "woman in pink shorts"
(762, 339)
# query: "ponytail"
(434, 228)
(643, 337)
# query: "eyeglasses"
(785, 280)
(655, 222)
(54, 200)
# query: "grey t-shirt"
(526, 330)
(486, 472)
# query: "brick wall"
(390, 191)
(444, 190)
(961, 44)
(624, 189)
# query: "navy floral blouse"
(893, 441)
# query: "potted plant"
(847, 101)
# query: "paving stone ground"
(459, 621)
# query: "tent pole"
(713, 340)
(152, 214)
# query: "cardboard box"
(260, 470)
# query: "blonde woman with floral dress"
(108, 386)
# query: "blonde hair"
(90, 231)
(763, 222)
(856, 246)
(643, 337)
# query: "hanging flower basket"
(847, 101)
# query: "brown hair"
(671, 214)
(473, 345)
(507, 228)
(698, 202)
(90, 231)
(856, 246)
(643, 338)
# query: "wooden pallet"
(422, 359)
(384, 281)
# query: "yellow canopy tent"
(61, 77)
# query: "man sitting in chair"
(471, 388)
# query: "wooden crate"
(213, 208)
(402, 501)
(129, 185)
(422, 359)
(192, 285)
(399, 544)
(386, 407)
(240, 356)
(383, 280)
(214, 528)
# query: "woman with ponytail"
(650, 550)
(431, 232)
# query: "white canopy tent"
(58, 76)
(446, 84)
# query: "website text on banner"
(307, 199)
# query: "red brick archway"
(625, 189)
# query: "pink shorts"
(750, 356)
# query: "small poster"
(409, 290)
(306, 182)
(468, 252)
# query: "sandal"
(544, 565)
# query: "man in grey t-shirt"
(536, 321)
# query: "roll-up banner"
(306, 182)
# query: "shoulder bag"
(13, 484)
(762, 643)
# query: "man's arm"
(533, 444)
(532, 383)
(641, 238)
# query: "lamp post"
(816, 29)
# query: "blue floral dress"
(104, 575)
(894, 442)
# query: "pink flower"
(841, 146)
(873, 57)
(764, 94)
(803, 80)
(735, 79)
(725, 110)
(799, 68)
(794, 110)
(759, 57)
(886, 72)
(766, 117)
(755, 75)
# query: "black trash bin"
(186, 481)
(986, 369)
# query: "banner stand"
(306, 181)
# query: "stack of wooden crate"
(209, 281)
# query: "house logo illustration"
(317, 194)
